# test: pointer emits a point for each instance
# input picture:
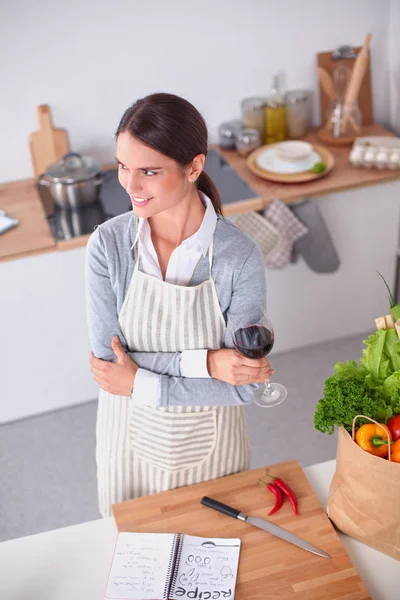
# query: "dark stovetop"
(113, 200)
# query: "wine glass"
(256, 341)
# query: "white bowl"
(269, 161)
(293, 150)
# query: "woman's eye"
(123, 167)
(149, 173)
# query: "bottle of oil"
(275, 114)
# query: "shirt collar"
(203, 235)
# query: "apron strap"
(135, 248)
(210, 253)
(136, 252)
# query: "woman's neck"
(177, 224)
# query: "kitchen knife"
(265, 525)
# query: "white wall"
(394, 65)
(90, 59)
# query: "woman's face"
(153, 181)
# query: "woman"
(163, 283)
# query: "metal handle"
(42, 181)
(224, 508)
(72, 155)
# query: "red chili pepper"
(278, 496)
(286, 490)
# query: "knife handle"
(224, 508)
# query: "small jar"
(247, 140)
(253, 113)
(298, 112)
(227, 132)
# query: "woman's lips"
(140, 201)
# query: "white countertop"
(73, 563)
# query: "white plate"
(268, 161)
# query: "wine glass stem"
(267, 388)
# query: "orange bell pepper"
(374, 438)
(395, 451)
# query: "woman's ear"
(196, 167)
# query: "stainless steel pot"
(73, 182)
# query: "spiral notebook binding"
(171, 590)
(171, 565)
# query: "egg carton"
(376, 152)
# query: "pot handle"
(71, 155)
(42, 180)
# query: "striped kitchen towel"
(290, 230)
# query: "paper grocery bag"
(364, 497)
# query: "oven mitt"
(316, 247)
(290, 229)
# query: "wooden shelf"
(33, 235)
(342, 177)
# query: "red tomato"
(394, 427)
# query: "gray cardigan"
(239, 274)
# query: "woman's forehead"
(133, 152)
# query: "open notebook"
(169, 566)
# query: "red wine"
(254, 341)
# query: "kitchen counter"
(33, 235)
(342, 177)
(73, 562)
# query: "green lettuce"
(371, 388)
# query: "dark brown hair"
(175, 128)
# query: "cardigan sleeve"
(102, 317)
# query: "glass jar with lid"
(227, 133)
(248, 139)
(298, 112)
(253, 113)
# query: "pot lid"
(73, 168)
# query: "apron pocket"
(170, 440)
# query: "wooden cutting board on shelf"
(324, 60)
(269, 568)
(48, 145)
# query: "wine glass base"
(276, 394)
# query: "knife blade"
(265, 525)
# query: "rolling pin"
(357, 76)
(326, 82)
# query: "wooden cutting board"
(48, 145)
(269, 568)
(324, 59)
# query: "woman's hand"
(232, 367)
(116, 378)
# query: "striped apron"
(142, 450)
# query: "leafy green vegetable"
(381, 356)
(394, 308)
(344, 398)
(371, 388)
(319, 167)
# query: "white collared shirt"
(181, 266)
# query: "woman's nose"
(134, 186)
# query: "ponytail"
(206, 185)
